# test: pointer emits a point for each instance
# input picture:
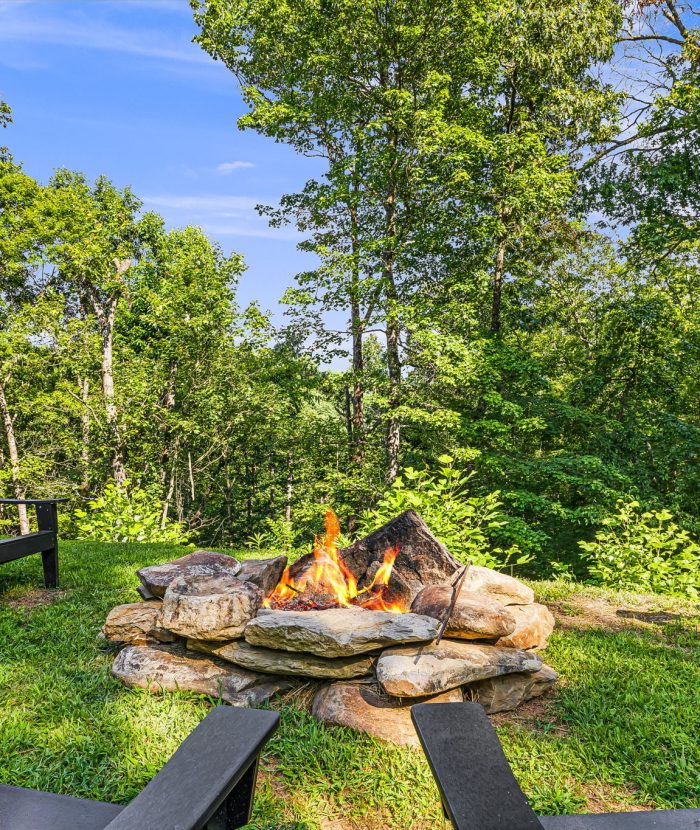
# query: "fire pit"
(379, 624)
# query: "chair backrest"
(195, 782)
(478, 789)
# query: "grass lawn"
(621, 732)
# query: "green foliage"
(464, 523)
(645, 551)
(127, 514)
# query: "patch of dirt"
(535, 715)
(604, 798)
(582, 612)
(34, 598)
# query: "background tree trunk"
(20, 492)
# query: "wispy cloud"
(20, 24)
(220, 216)
(227, 167)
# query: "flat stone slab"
(137, 623)
(156, 578)
(410, 671)
(162, 669)
(337, 632)
(210, 607)
(265, 573)
(362, 708)
(474, 617)
(285, 662)
(534, 625)
(507, 692)
(506, 589)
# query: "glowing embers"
(327, 582)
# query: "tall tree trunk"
(393, 433)
(84, 386)
(498, 273)
(20, 492)
(118, 469)
(358, 360)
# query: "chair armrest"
(209, 764)
(477, 786)
(33, 501)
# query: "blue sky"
(117, 87)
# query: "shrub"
(460, 521)
(644, 551)
(127, 514)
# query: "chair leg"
(236, 809)
(49, 559)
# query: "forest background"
(508, 223)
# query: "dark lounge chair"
(44, 541)
(208, 784)
(479, 791)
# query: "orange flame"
(328, 582)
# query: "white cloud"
(229, 166)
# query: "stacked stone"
(203, 628)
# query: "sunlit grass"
(624, 722)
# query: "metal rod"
(457, 583)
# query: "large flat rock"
(337, 632)
(508, 691)
(137, 623)
(474, 617)
(162, 669)
(156, 578)
(360, 707)
(506, 589)
(410, 671)
(210, 607)
(265, 573)
(533, 626)
(285, 662)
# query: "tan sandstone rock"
(506, 589)
(534, 624)
(214, 607)
(156, 578)
(508, 691)
(360, 707)
(410, 671)
(337, 632)
(285, 662)
(474, 617)
(137, 623)
(162, 669)
(265, 573)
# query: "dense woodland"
(508, 220)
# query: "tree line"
(507, 220)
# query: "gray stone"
(265, 573)
(156, 578)
(136, 623)
(360, 707)
(285, 662)
(214, 607)
(501, 694)
(506, 589)
(534, 624)
(474, 617)
(337, 632)
(162, 669)
(411, 671)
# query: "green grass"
(621, 730)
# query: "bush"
(644, 551)
(127, 514)
(461, 522)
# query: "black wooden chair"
(479, 791)
(43, 541)
(208, 784)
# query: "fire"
(329, 583)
